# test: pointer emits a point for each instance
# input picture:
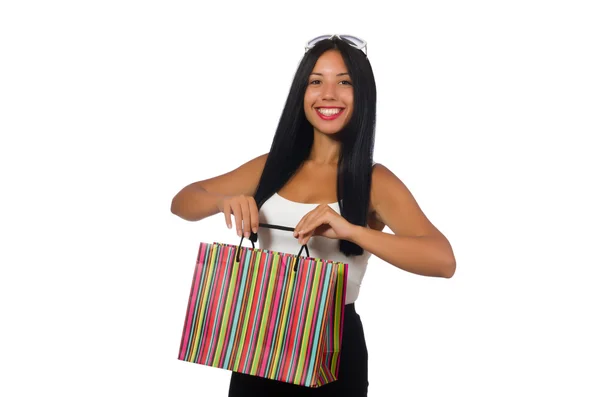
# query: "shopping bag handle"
(289, 229)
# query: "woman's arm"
(202, 199)
(424, 255)
(416, 246)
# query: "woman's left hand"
(323, 221)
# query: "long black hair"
(294, 138)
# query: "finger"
(253, 214)
(315, 222)
(305, 238)
(227, 213)
(308, 230)
(297, 228)
(245, 206)
(305, 223)
(302, 227)
(237, 212)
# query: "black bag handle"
(254, 236)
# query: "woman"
(319, 177)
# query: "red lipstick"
(333, 116)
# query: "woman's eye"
(345, 82)
(315, 82)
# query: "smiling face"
(329, 97)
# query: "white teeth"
(328, 112)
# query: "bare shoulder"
(242, 180)
(394, 205)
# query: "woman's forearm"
(426, 255)
(194, 203)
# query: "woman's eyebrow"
(339, 74)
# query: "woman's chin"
(328, 130)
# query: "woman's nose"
(329, 91)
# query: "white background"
(486, 110)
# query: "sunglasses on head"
(352, 40)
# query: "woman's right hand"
(245, 211)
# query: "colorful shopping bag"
(266, 313)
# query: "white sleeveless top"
(283, 212)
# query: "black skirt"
(352, 378)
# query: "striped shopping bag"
(266, 313)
